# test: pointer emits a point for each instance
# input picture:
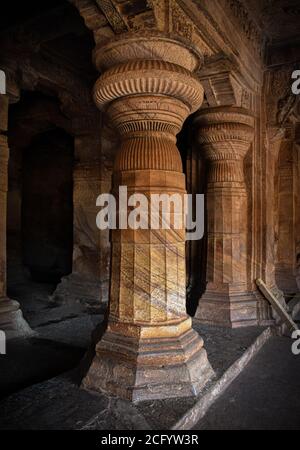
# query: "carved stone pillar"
(287, 192)
(225, 135)
(273, 140)
(149, 349)
(11, 318)
(88, 282)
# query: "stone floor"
(40, 378)
(266, 395)
(38, 307)
(62, 335)
(55, 349)
(42, 402)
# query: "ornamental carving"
(248, 26)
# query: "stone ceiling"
(33, 22)
(280, 19)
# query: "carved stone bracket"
(225, 86)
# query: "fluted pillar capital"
(152, 46)
(225, 133)
(148, 89)
(156, 74)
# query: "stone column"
(149, 349)
(11, 318)
(225, 135)
(273, 141)
(287, 191)
(87, 284)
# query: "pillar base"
(264, 311)
(12, 321)
(75, 288)
(227, 310)
(149, 362)
(286, 280)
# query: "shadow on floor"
(30, 361)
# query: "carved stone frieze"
(248, 26)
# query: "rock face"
(149, 349)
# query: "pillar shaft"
(11, 318)
(88, 283)
(3, 208)
(225, 135)
(149, 349)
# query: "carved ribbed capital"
(148, 90)
(150, 47)
(4, 155)
(149, 77)
(225, 133)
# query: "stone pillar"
(11, 318)
(287, 191)
(225, 135)
(273, 140)
(149, 349)
(88, 284)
